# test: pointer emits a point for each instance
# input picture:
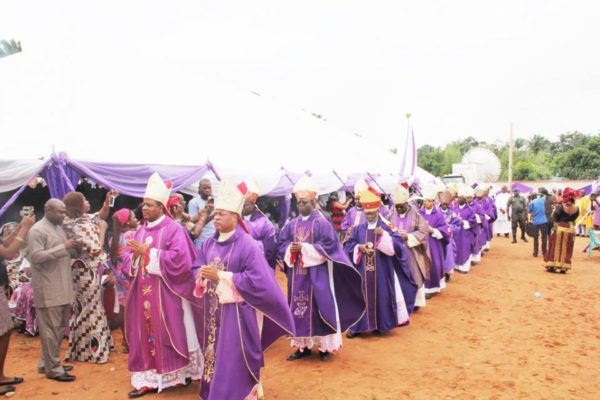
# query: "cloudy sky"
(462, 68)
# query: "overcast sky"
(462, 68)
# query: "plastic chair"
(594, 241)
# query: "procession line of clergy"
(209, 315)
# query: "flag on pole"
(408, 162)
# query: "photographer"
(201, 211)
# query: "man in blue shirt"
(201, 209)
(537, 214)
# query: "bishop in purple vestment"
(479, 229)
(464, 237)
(163, 343)
(438, 240)
(244, 310)
(380, 257)
(258, 225)
(324, 289)
(406, 222)
(454, 226)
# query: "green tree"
(539, 143)
(431, 159)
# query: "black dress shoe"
(298, 354)
(352, 335)
(448, 277)
(134, 394)
(514, 241)
(428, 296)
(324, 355)
(68, 368)
(64, 378)
(524, 239)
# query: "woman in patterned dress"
(89, 337)
(561, 243)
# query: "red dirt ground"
(485, 337)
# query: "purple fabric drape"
(521, 187)
(131, 179)
(60, 176)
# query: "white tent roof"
(144, 111)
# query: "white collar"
(247, 217)
(156, 222)
(463, 206)
(428, 212)
(304, 218)
(224, 236)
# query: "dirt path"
(485, 337)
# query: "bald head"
(54, 211)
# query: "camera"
(111, 201)
(26, 211)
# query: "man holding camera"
(48, 251)
(201, 211)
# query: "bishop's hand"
(209, 272)
(296, 247)
(138, 248)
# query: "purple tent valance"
(521, 187)
(62, 175)
(131, 179)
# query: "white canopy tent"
(142, 111)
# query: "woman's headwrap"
(123, 216)
(569, 195)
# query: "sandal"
(15, 381)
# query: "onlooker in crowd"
(89, 336)
(124, 226)
(562, 240)
(537, 212)
(176, 206)
(10, 247)
(596, 210)
(337, 210)
(201, 210)
(585, 220)
(48, 251)
(516, 208)
(549, 202)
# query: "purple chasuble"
(453, 224)
(418, 256)
(310, 293)
(437, 247)
(154, 313)
(464, 237)
(379, 272)
(489, 208)
(234, 335)
(263, 231)
(480, 235)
